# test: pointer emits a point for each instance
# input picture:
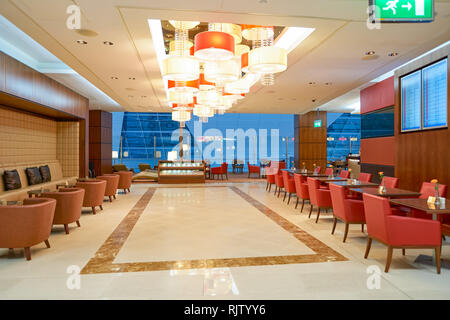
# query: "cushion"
(45, 173)
(11, 180)
(33, 175)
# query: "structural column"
(100, 141)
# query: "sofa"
(56, 173)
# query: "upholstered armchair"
(320, 198)
(69, 202)
(94, 193)
(271, 171)
(253, 169)
(23, 226)
(301, 189)
(399, 232)
(390, 182)
(279, 183)
(329, 171)
(317, 169)
(345, 174)
(365, 177)
(112, 182)
(221, 171)
(121, 167)
(289, 185)
(125, 178)
(349, 211)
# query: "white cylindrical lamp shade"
(222, 71)
(265, 60)
(184, 25)
(181, 115)
(178, 68)
(203, 111)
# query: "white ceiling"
(333, 53)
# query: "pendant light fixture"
(256, 32)
(230, 28)
(237, 87)
(181, 116)
(203, 112)
(213, 46)
(269, 59)
(222, 71)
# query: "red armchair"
(278, 183)
(112, 182)
(271, 171)
(221, 171)
(289, 185)
(320, 198)
(94, 193)
(125, 180)
(399, 232)
(349, 211)
(365, 177)
(253, 169)
(345, 174)
(329, 171)
(301, 189)
(317, 169)
(26, 225)
(390, 182)
(428, 190)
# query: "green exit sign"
(402, 10)
(317, 123)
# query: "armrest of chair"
(411, 231)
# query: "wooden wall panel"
(25, 89)
(100, 141)
(424, 155)
(312, 142)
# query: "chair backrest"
(125, 179)
(317, 169)
(279, 179)
(112, 182)
(69, 202)
(376, 210)
(428, 190)
(338, 201)
(224, 167)
(329, 171)
(390, 182)
(365, 177)
(300, 189)
(285, 175)
(94, 192)
(344, 174)
(313, 185)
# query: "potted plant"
(382, 187)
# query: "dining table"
(389, 193)
(305, 173)
(355, 184)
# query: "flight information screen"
(411, 101)
(434, 86)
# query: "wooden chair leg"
(110, 198)
(284, 198)
(47, 243)
(438, 259)
(318, 214)
(310, 211)
(66, 228)
(303, 204)
(276, 189)
(114, 196)
(270, 187)
(289, 198)
(362, 227)
(128, 191)
(296, 203)
(389, 258)
(369, 244)
(334, 225)
(267, 184)
(403, 251)
(345, 232)
(93, 210)
(78, 223)
(27, 253)
(101, 207)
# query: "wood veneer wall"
(311, 143)
(100, 141)
(422, 155)
(25, 89)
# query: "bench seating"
(56, 173)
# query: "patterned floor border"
(103, 260)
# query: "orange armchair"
(69, 203)
(320, 198)
(112, 182)
(94, 193)
(345, 174)
(271, 171)
(221, 171)
(289, 185)
(329, 171)
(348, 211)
(125, 178)
(301, 189)
(365, 177)
(390, 182)
(399, 232)
(253, 169)
(317, 169)
(279, 184)
(26, 225)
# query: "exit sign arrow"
(409, 5)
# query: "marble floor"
(216, 241)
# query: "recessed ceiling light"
(393, 54)
(114, 78)
(130, 96)
(143, 96)
(312, 83)
(370, 53)
(328, 83)
(81, 42)
(108, 43)
(131, 78)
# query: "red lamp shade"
(191, 51)
(177, 106)
(192, 85)
(244, 62)
(213, 46)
